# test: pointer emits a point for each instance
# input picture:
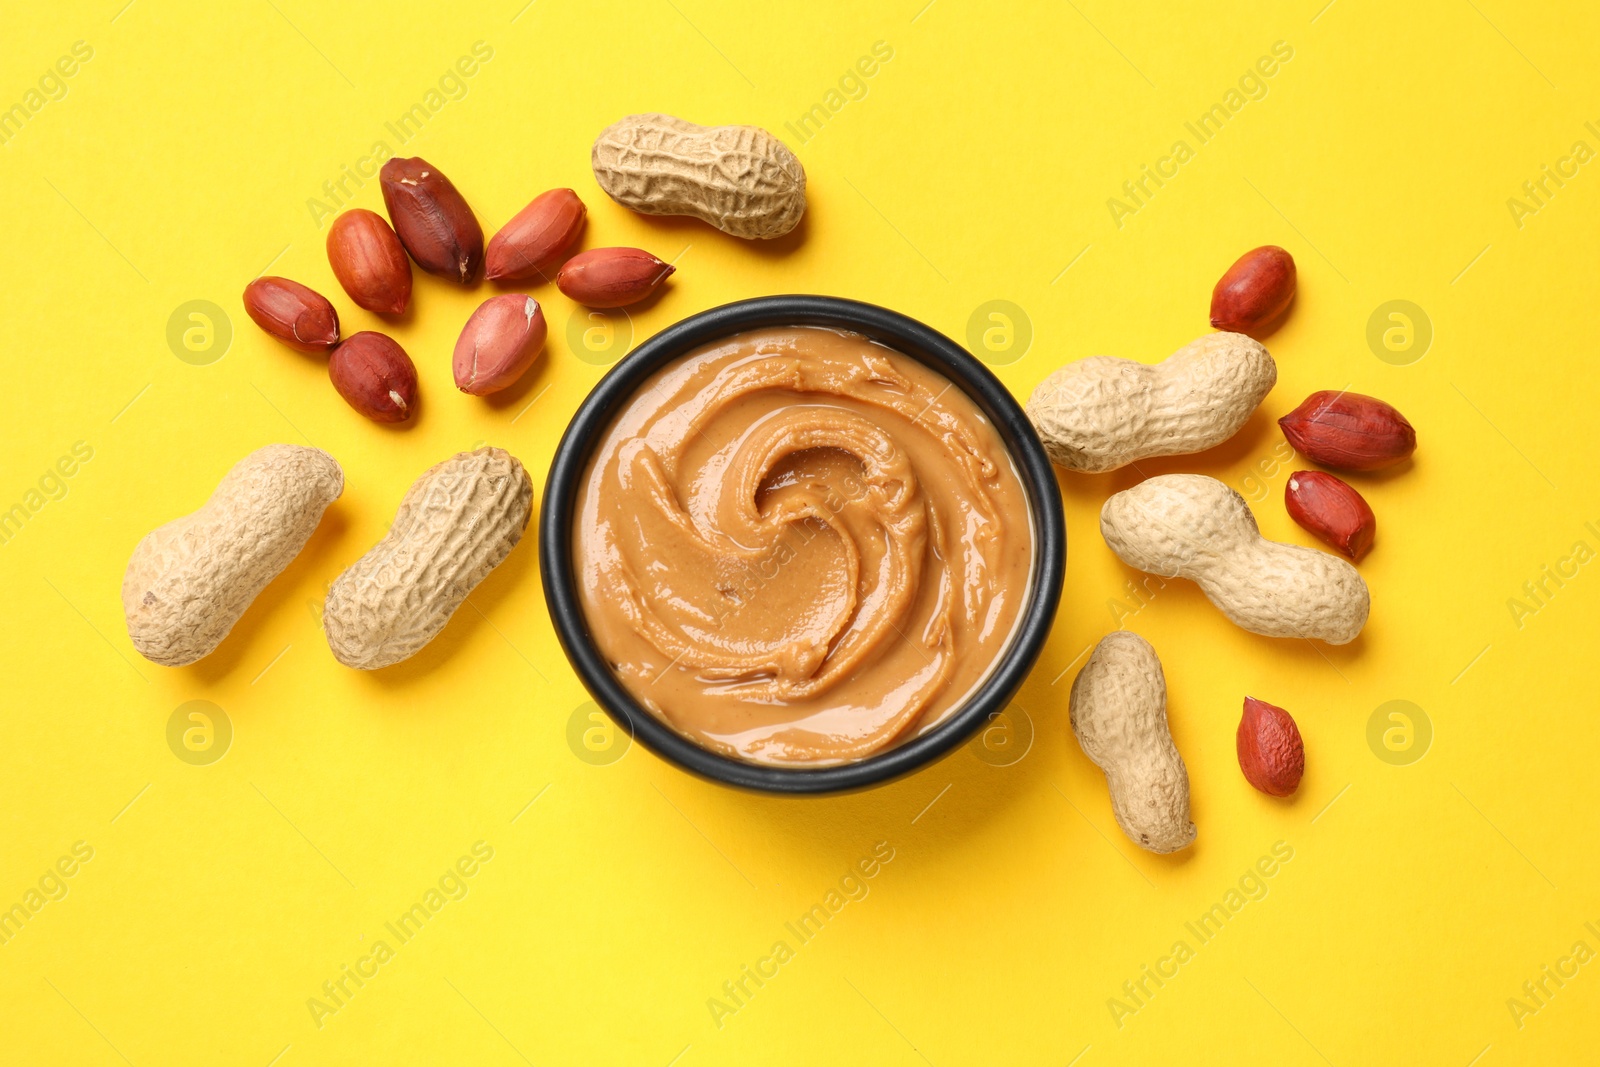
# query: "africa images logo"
(452, 885)
(1252, 85)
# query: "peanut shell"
(1101, 413)
(740, 179)
(455, 524)
(1191, 526)
(1118, 709)
(190, 580)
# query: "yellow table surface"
(1433, 888)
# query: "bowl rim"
(903, 334)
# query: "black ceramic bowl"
(902, 334)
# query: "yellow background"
(976, 167)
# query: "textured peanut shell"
(1191, 526)
(189, 581)
(740, 179)
(1119, 715)
(1101, 413)
(455, 524)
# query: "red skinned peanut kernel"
(1271, 754)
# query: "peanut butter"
(796, 546)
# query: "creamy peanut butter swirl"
(797, 546)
